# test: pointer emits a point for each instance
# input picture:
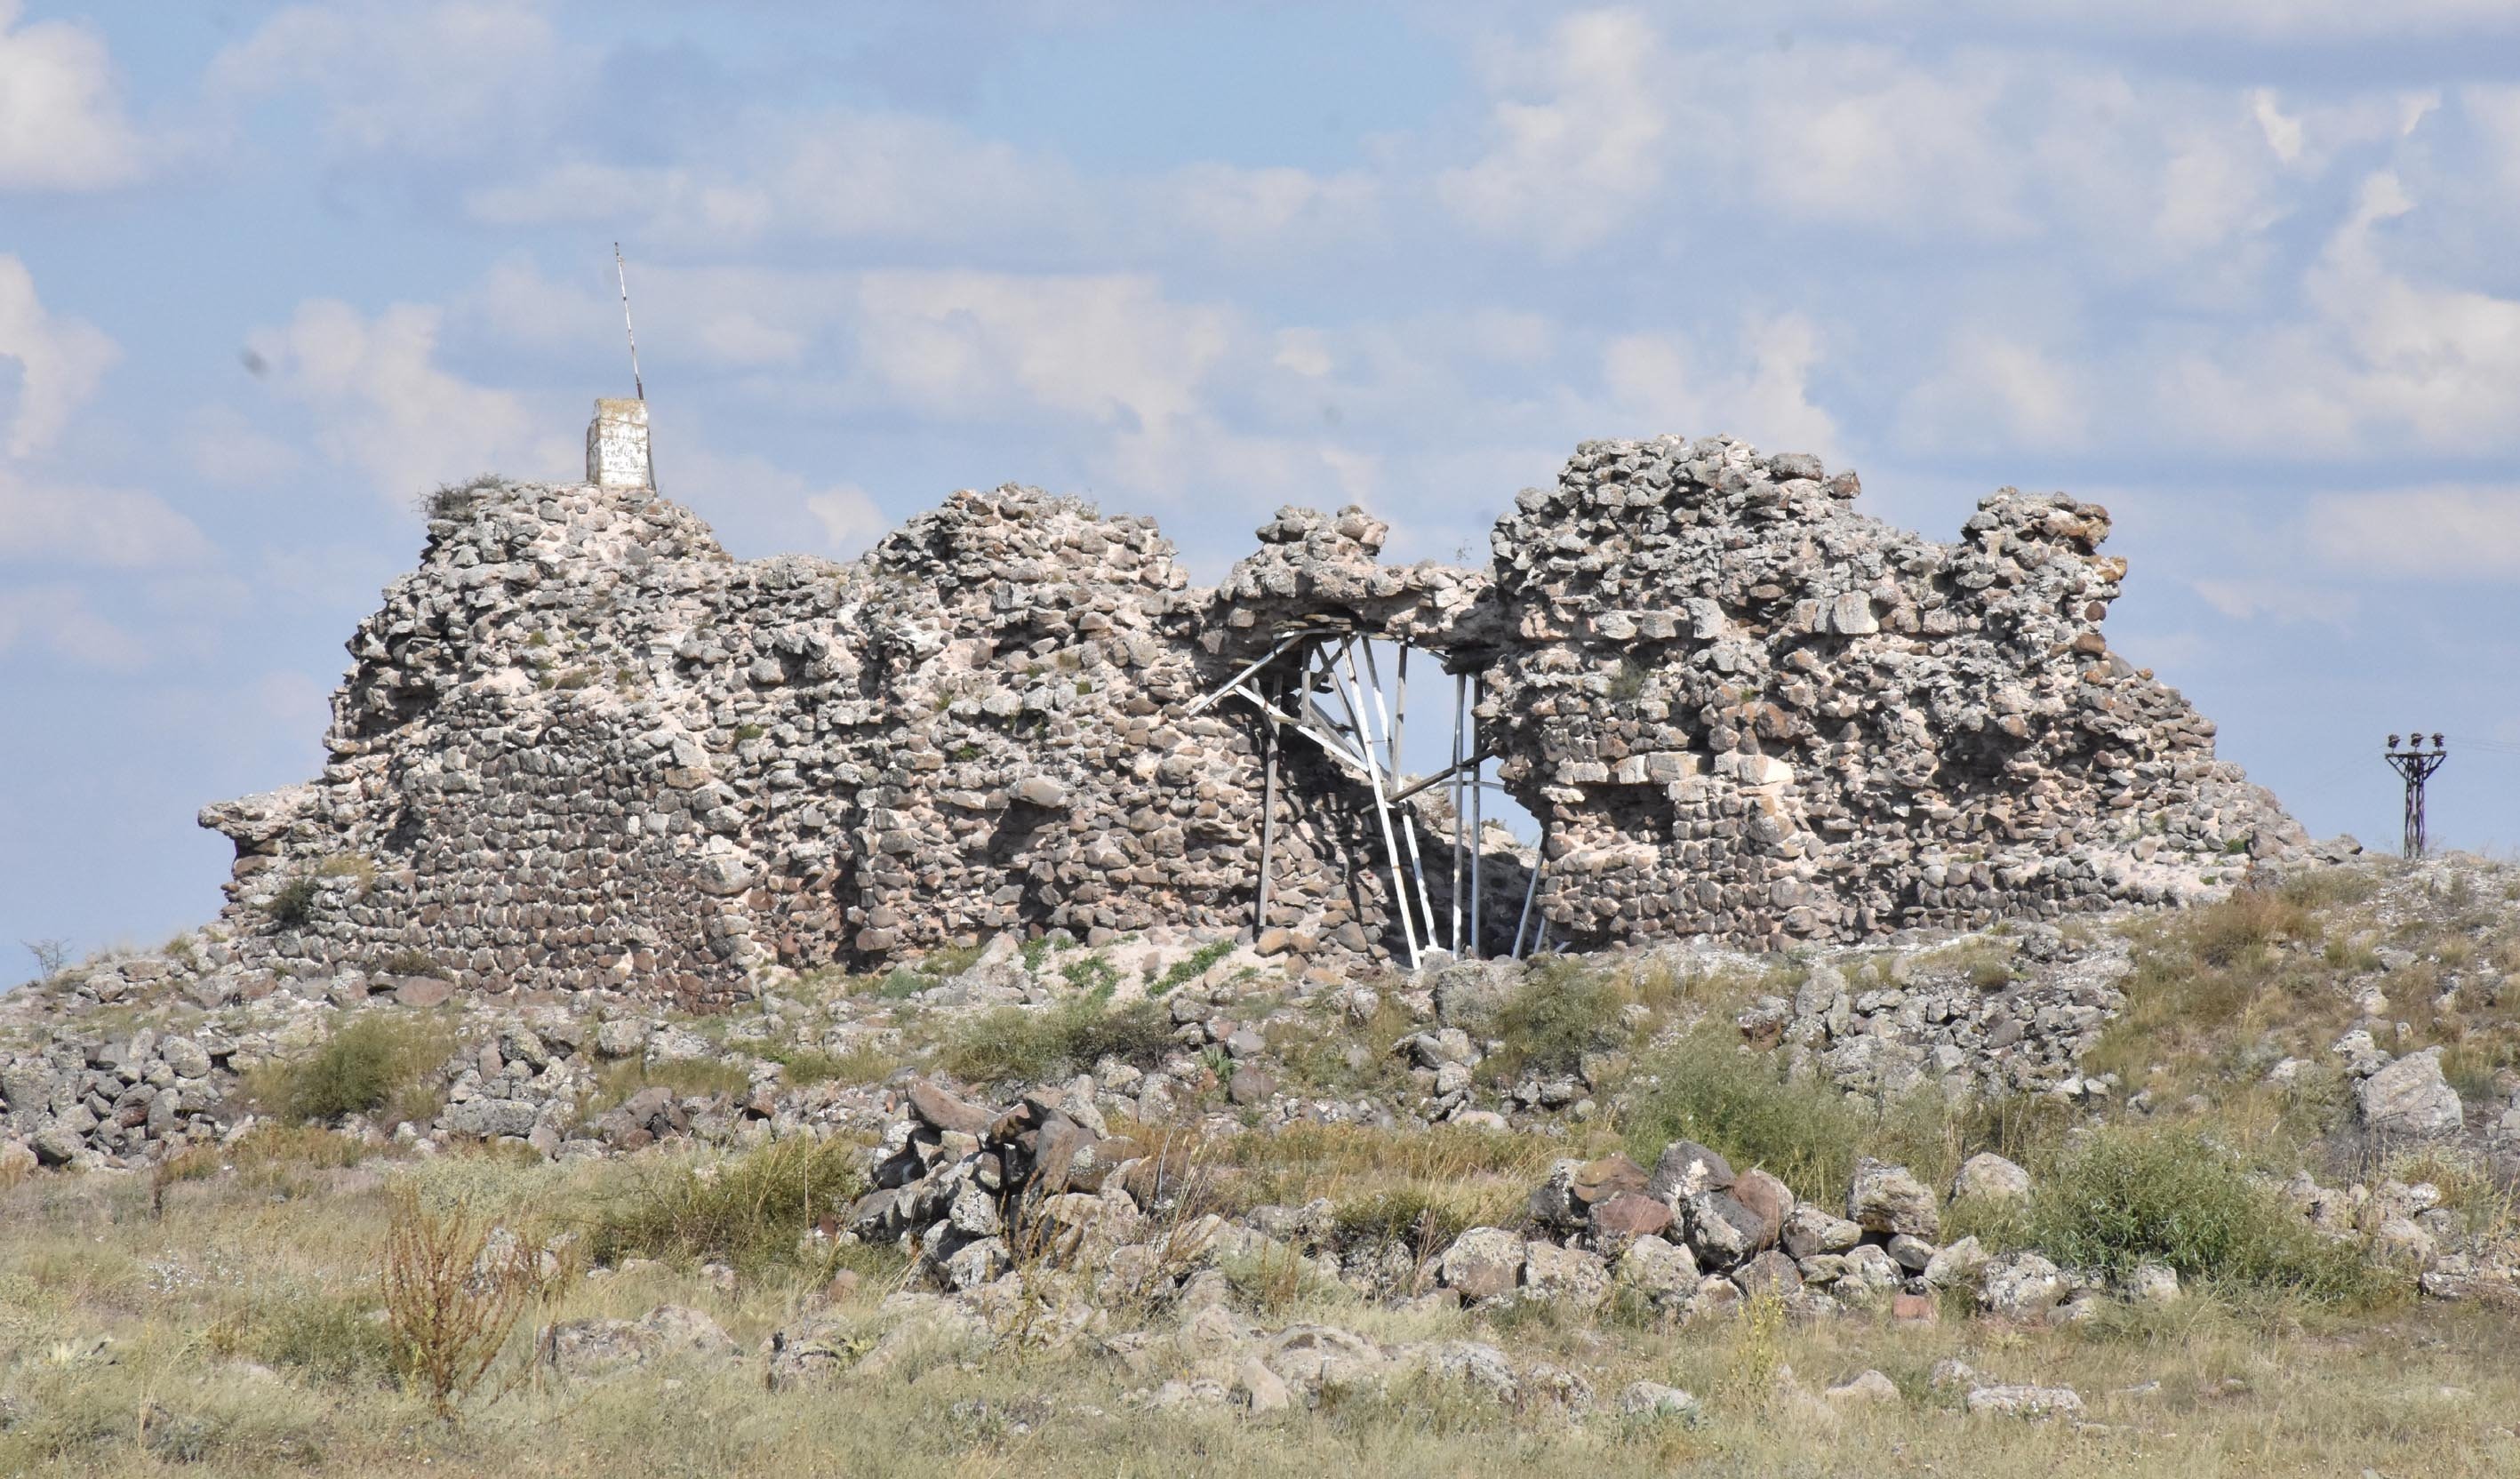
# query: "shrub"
(685, 1077)
(450, 1298)
(1423, 1218)
(294, 903)
(2125, 1196)
(375, 1065)
(459, 500)
(1740, 1104)
(751, 1211)
(1011, 1045)
(1557, 1015)
(408, 961)
(2238, 928)
(50, 956)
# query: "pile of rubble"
(2018, 1021)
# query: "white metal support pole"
(1478, 835)
(1268, 821)
(1356, 708)
(1530, 891)
(1407, 817)
(1455, 936)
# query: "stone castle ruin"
(582, 746)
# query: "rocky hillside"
(2126, 1185)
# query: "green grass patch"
(752, 1211)
(1013, 1045)
(2125, 1195)
(1742, 1104)
(1557, 1014)
(863, 1063)
(335, 1341)
(383, 1066)
(1190, 966)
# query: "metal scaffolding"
(1288, 687)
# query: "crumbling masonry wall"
(581, 745)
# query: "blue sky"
(2243, 271)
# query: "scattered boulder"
(2409, 1098)
(1886, 1198)
(1988, 1177)
(2036, 1402)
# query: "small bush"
(294, 903)
(684, 1077)
(2244, 925)
(751, 1211)
(1557, 1015)
(1740, 1104)
(459, 500)
(408, 962)
(375, 1065)
(1421, 1219)
(2125, 1196)
(450, 1299)
(1011, 1045)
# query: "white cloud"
(1114, 349)
(432, 80)
(2376, 357)
(56, 619)
(102, 526)
(383, 404)
(224, 446)
(849, 517)
(1235, 206)
(1567, 169)
(1675, 386)
(61, 124)
(59, 360)
(1996, 388)
(2426, 533)
(2280, 600)
(835, 174)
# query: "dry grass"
(232, 1276)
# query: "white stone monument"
(616, 446)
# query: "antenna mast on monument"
(622, 275)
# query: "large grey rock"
(1664, 1272)
(2036, 1403)
(1684, 1169)
(1988, 1177)
(2020, 1286)
(2411, 1097)
(1482, 1263)
(1886, 1198)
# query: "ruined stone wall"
(1745, 711)
(581, 745)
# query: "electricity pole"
(2416, 764)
